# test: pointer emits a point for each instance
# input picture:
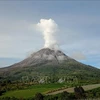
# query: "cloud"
(78, 56)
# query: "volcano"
(44, 56)
(49, 62)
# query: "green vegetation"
(54, 72)
(94, 93)
(78, 94)
(32, 90)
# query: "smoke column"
(49, 29)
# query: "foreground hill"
(49, 64)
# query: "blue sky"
(78, 22)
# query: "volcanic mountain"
(44, 56)
(48, 62)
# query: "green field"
(43, 88)
(32, 90)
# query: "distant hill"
(49, 63)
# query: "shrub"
(39, 96)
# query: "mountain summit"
(44, 56)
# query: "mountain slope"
(47, 62)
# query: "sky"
(78, 23)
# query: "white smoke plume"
(49, 29)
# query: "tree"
(79, 92)
(39, 96)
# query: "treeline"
(43, 79)
(79, 94)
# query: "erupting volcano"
(49, 61)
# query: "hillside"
(49, 64)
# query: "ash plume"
(48, 27)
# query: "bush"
(64, 96)
(39, 96)
(79, 92)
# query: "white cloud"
(78, 56)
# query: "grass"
(43, 88)
(32, 90)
